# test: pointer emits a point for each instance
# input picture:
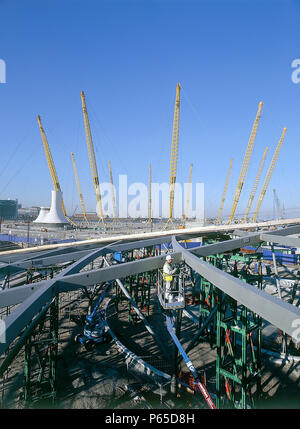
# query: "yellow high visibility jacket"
(168, 272)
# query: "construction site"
(94, 315)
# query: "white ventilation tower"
(42, 215)
(55, 216)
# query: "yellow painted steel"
(52, 167)
(150, 197)
(255, 185)
(78, 187)
(224, 191)
(246, 161)
(174, 152)
(188, 193)
(112, 188)
(92, 158)
(269, 175)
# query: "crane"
(78, 187)
(52, 166)
(92, 158)
(224, 191)
(174, 153)
(112, 188)
(188, 194)
(246, 161)
(269, 175)
(255, 185)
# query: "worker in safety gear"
(168, 272)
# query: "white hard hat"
(169, 258)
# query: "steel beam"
(40, 260)
(226, 246)
(191, 232)
(88, 278)
(277, 312)
(25, 312)
(279, 239)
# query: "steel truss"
(40, 359)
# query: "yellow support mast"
(187, 202)
(255, 185)
(78, 187)
(150, 197)
(92, 158)
(269, 175)
(174, 153)
(224, 192)
(246, 161)
(112, 188)
(52, 167)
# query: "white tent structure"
(53, 216)
(42, 215)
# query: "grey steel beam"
(70, 279)
(25, 312)
(88, 278)
(240, 233)
(283, 240)
(41, 260)
(289, 230)
(226, 246)
(236, 243)
(279, 313)
(18, 294)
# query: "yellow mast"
(246, 161)
(112, 188)
(52, 166)
(78, 187)
(174, 153)
(255, 185)
(224, 191)
(188, 194)
(269, 175)
(92, 158)
(149, 197)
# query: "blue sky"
(127, 56)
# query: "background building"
(9, 209)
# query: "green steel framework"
(236, 331)
(40, 367)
